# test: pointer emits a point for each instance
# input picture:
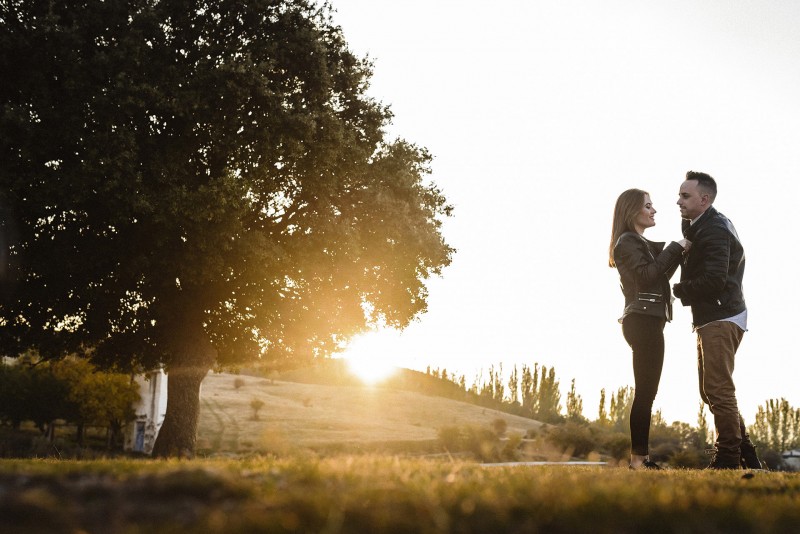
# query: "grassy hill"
(340, 416)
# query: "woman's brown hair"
(628, 205)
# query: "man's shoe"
(719, 462)
(749, 458)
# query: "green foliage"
(484, 444)
(541, 398)
(776, 426)
(34, 394)
(615, 444)
(704, 433)
(72, 390)
(493, 389)
(15, 389)
(688, 459)
(513, 386)
(619, 411)
(222, 165)
(573, 439)
(574, 405)
(678, 444)
(256, 405)
(529, 394)
(214, 182)
(602, 413)
(500, 426)
(96, 398)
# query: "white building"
(141, 433)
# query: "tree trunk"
(194, 357)
(80, 433)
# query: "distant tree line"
(534, 391)
(70, 391)
(776, 426)
(530, 391)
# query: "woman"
(645, 268)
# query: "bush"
(573, 438)
(617, 445)
(500, 426)
(256, 405)
(72, 390)
(511, 448)
(688, 459)
(450, 438)
(481, 443)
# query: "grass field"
(360, 494)
(320, 417)
(292, 469)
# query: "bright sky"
(539, 114)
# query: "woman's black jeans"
(645, 335)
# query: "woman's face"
(645, 218)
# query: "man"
(711, 283)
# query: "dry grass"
(372, 493)
(311, 416)
(364, 493)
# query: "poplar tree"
(574, 404)
(776, 426)
(549, 397)
(703, 429)
(528, 391)
(620, 407)
(513, 386)
(602, 413)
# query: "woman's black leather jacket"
(645, 268)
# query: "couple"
(712, 267)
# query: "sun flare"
(368, 360)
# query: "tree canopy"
(201, 183)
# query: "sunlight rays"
(367, 358)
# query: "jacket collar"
(689, 229)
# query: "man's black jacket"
(712, 270)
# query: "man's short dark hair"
(705, 182)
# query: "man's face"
(691, 200)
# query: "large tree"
(201, 183)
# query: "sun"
(368, 358)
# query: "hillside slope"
(296, 415)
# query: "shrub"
(500, 426)
(688, 459)
(576, 439)
(256, 405)
(511, 448)
(617, 445)
(450, 438)
(482, 443)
